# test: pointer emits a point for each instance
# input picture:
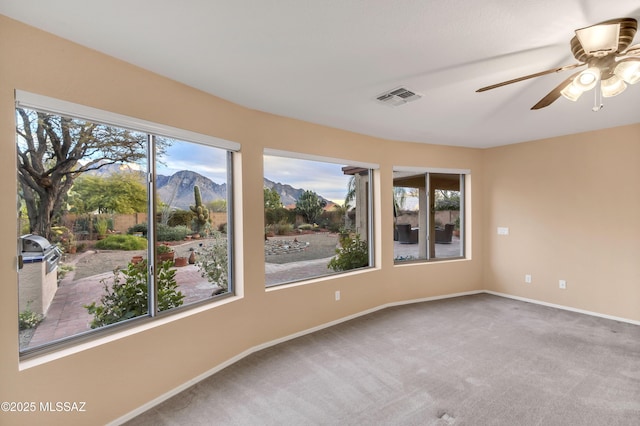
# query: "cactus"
(201, 212)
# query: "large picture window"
(428, 215)
(118, 219)
(317, 217)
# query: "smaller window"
(428, 215)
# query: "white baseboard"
(565, 308)
(271, 343)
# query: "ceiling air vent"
(399, 96)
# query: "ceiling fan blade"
(632, 51)
(527, 77)
(554, 94)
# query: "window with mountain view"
(317, 218)
(91, 252)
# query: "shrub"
(180, 218)
(171, 233)
(102, 225)
(278, 215)
(62, 270)
(122, 242)
(28, 319)
(127, 297)
(305, 227)
(282, 228)
(63, 236)
(140, 227)
(163, 248)
(213, 262)
(353, 253)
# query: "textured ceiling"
(325, 61)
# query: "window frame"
(371, 170)
(41, 103)
(464, 176)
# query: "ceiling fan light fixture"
(587, 79)
(572, 92)
(628, 70)
(599, 40)
(612, 86)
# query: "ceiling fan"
(604, 49)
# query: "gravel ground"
(93, 262)
(321, 245)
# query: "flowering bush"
(213, 262)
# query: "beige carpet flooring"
(474, 360)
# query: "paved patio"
(67, 316)
(442, 250)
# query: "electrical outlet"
(527, 279)
(503, 230)
(337, 295)
(562, 284)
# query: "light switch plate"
(503, 230)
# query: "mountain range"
(177, 189)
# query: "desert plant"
(212, 261)
(102, 225)
(353, 253)
(163, 248)
(28, 319)
(122, 242)
(171, 233)
(310, 206)
(62, 270)
(128, 296)
(200, 210)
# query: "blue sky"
(326, 179)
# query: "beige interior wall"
(555, 197)
(132, 367)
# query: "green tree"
(53, 151)
(219, 205)
(310, 206)
(447, 200)
(351, 191)
(271, 199)
(123, 193)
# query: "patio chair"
(406, 234)
(443, 236)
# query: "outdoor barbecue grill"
(37, 249)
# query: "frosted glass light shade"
(587, 79)
(572, 92)
(612, 86)
(628, 70)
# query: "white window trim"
(432, 170)
(65, 108)
(311, 157)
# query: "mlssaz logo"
(64, 406)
